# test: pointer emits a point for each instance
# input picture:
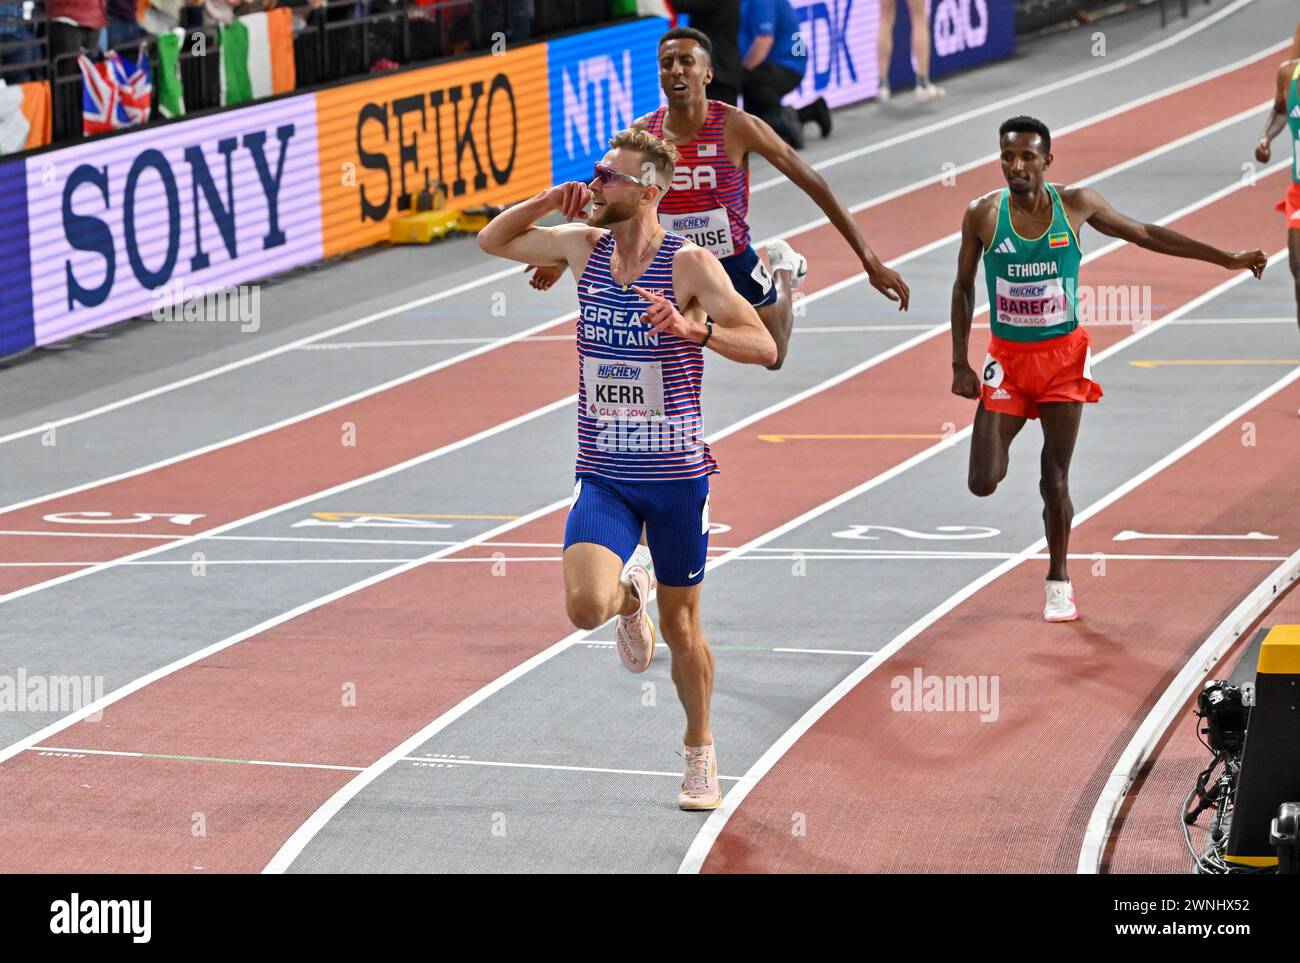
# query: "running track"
(444, 632)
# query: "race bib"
(708, 229)
(1031, 304)
(992, 371)
(618, 390)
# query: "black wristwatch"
(708, 323)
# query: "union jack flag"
(115, 93)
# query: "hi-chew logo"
(75, 915)
(620, 372)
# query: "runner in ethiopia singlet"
(1290, 204)
(1038, 352)
(638, 393)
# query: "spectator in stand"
(776, 57)
(24, 55)
(122, 26)
(163, 16)
(74, 25)
(720, 21)
(919, 11)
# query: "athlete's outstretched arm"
(1154, 237)
(738, 332)
(757, 136)
(1277, 117)
(512, 233)
(965, 381)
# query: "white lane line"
(430, 342)
(481, 538)
(1162, 714)
(823, 651)
(168, 757)
(305, 499)
(458, 761)
(39, 534)
(590, 644)
(301, 837)
(947, 123)
(925, 335)
(1224, 321)
(265, 429)
(805, 329)
(135, 685)
(1144, 331)
(446, 761)
(756, 556)
(274, 352)
(708, 834)
(757, 188)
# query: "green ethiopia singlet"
(1032, 282)
(1293, 120)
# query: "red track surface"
(306, 457)
(1147, 837)
(887, 791)
(418, 643)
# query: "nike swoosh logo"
(697, 571)
(592, 289)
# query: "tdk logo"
(597, 102)
(122, 916)
(954, 28)
(620, 372)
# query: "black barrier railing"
(198, 63)
(342, 39)
(24, 42)
(1034, 15)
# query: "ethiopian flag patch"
(1058, 240)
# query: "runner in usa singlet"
(708, 200)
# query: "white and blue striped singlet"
(638, 393)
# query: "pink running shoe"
(700, 789)
(634, 635)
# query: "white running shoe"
(927, 92)
(782, 257)
(1060, 602)
(634, 635)
(883, 94)
(700, 788)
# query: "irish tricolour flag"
(257, 56)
